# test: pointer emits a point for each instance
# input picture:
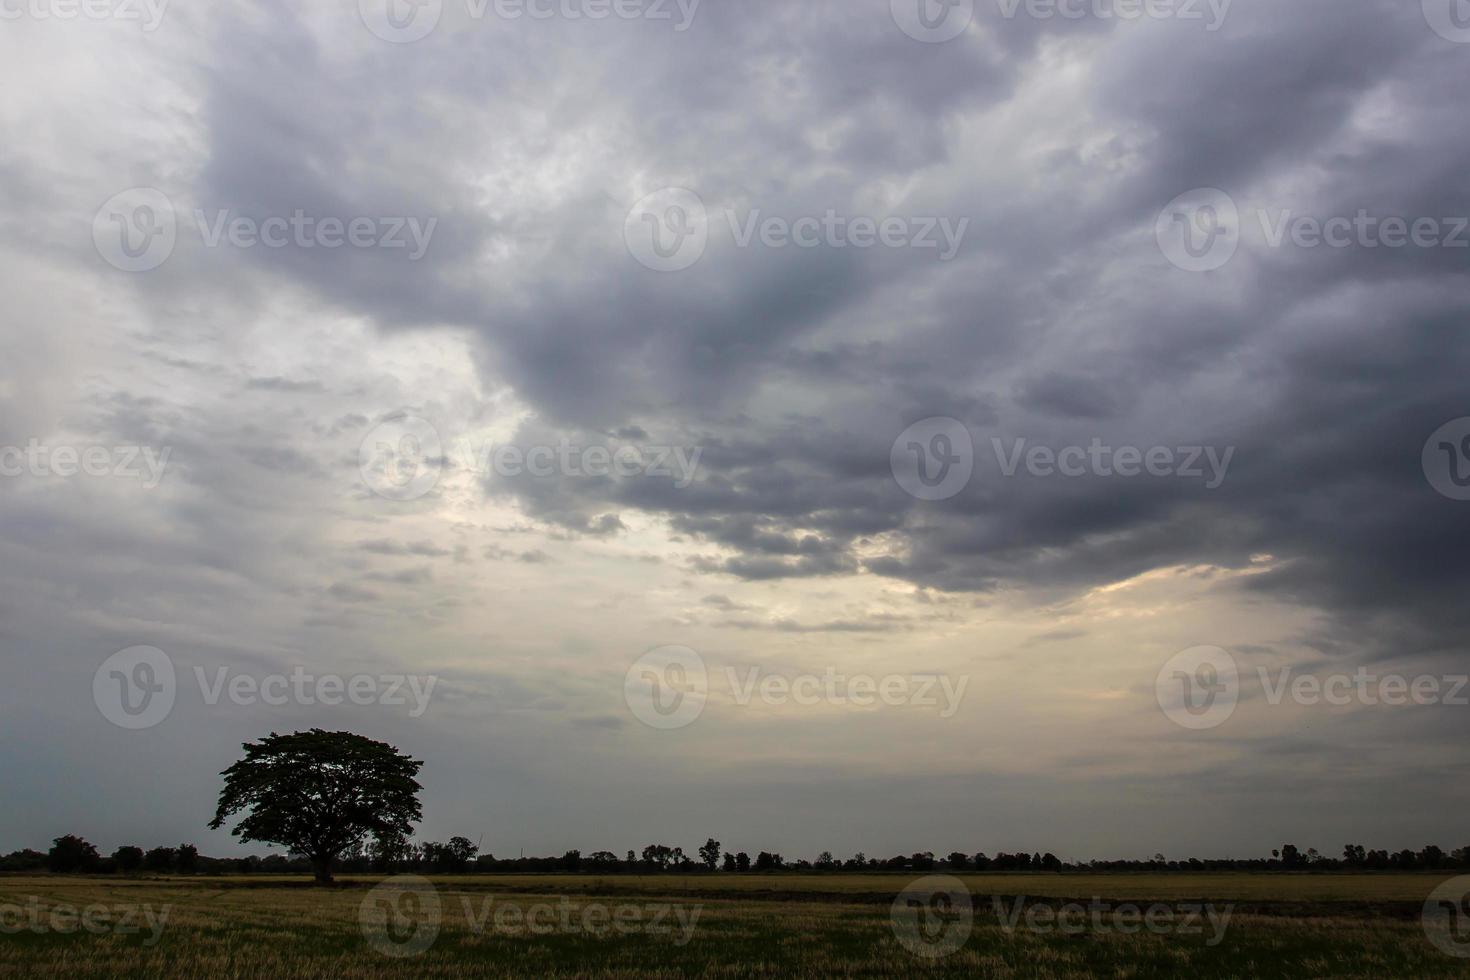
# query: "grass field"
(724, 926)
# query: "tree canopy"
(320, 793)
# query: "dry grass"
(241, 928)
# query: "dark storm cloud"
(789, 371)
(1325, 369)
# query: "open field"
(1226, 886)
(1237, 887)
(726, 926)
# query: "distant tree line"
(73, 855)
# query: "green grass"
(746, 926)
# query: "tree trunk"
(323, 867)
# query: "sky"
(846, 425)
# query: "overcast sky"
(492, 351)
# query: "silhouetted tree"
(453, 856)
(658, 855)
(128, 859)
(159, 859)
(710, 853)
(386, 852)
(320, 793)
(23, 860)
(71, 853)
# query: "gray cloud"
(790, 371)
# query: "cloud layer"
(1063, 319)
